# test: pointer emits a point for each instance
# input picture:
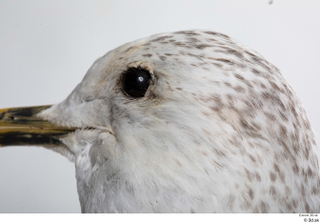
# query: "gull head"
(189, 121)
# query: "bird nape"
(189, 121)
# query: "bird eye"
(135, 82)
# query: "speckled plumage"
(219, 130)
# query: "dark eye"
(135, 82)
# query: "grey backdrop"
(46, 48)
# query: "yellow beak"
(21, 126)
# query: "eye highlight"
(135, 82)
